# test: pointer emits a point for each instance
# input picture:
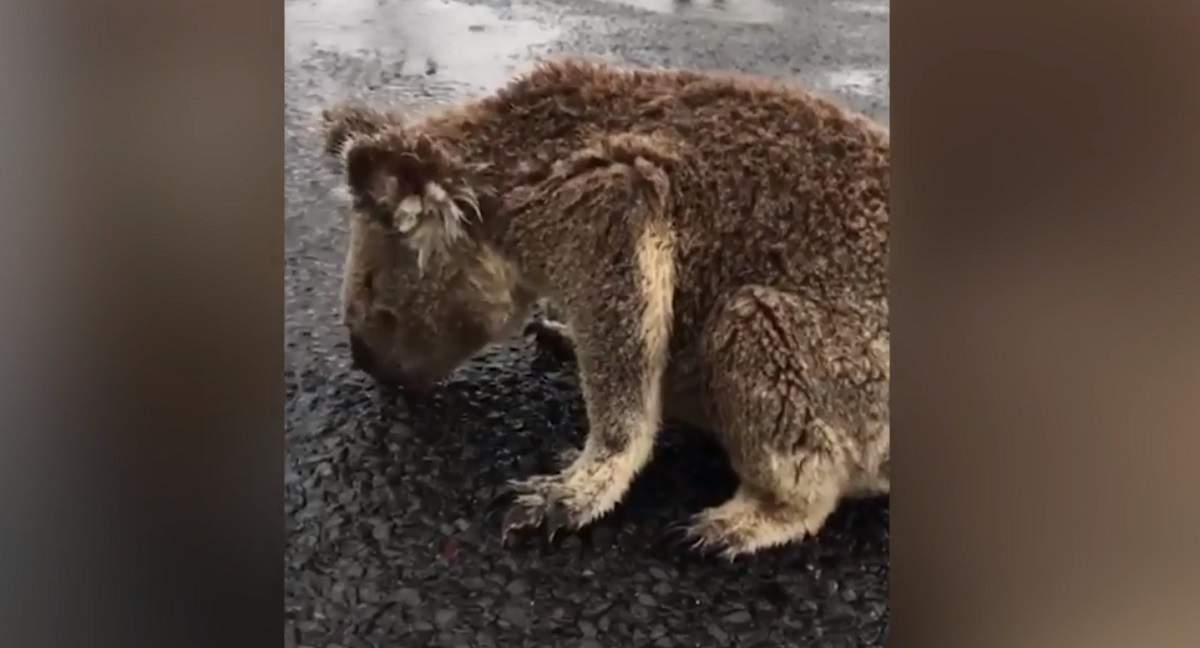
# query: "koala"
(714, 244)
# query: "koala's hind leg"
(792, 404)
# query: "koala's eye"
(386, 319)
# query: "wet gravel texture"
(392, 535)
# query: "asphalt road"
(391, 538)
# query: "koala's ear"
(371, 173)
(425, 193)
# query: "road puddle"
(744, 11)
(867, 82)
(869, 8)
(470, 44)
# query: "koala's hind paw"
(744, 526)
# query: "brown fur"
(710, 238)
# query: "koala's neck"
(498, 236)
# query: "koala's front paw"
(543, 502)
(585, 490)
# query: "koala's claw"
(556, 520)
(501, 500)
(537, 507)
(519, 518)
(742, 526)
(714, 539)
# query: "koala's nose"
(360, 356)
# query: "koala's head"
(422, 291)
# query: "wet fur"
(705, 237)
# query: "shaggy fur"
(716, 245)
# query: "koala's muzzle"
(363, 359)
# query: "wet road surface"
(391, 539)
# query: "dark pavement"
(391, 539)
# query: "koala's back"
(769, 184)
(762, 163)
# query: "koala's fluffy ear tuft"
(441, 221)
(346, 121)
